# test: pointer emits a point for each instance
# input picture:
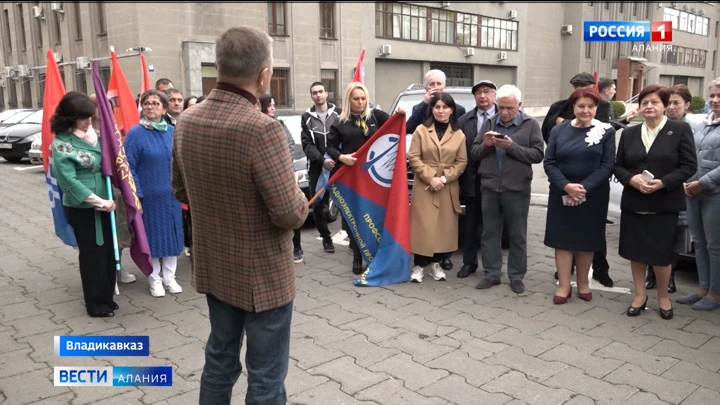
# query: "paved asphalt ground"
(436, 343)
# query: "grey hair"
(243, 52)
(434, 72)
(507, 90)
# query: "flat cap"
(582, 78)
(481, 83)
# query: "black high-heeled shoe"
(667, 315)
(650, 281)
(635, 311)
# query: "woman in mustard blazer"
(76, 165)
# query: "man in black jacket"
(434, 82)
(470, 123)
(316, 123)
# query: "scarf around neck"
(158, 126)
(89, 136)
(360, 123)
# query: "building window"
(403, 21)
(57, 32)
(457, 74)
(442, 26)
(102, 24)
(636, 6)
(7, 42)
(280, 87)
(277, 24)
(621, 7)
(2, 99)
(687, 22)
(78, 21)
(20, 21)
(37, 29)
(327, 20)
(12, 93)
(682, 56)
(587, 49)
(499, 34)
(209, 77)
(104, 72)
(329, 79)
(603, 50)
(80, 81)
(41, 89)
(27, 93)
(607, 5)
(466, 30)
(714, 61)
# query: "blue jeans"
(268, 352)
(703, 215)
(511, 207)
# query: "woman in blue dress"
(578, 161)
(148, 148)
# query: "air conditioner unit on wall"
(385, 50)
(9, 71)
(83, 62)
(502, 55)
(57, 7)
(566, 30)
(512, 14)
(468, 52)
(38, 12)
(24, 71)
(2, 82)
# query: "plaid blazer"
(231, 164)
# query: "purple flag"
(115, 165)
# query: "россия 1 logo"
(627, 31)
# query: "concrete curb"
(538, 199)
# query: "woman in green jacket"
(76, 166)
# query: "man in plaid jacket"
(231, 164)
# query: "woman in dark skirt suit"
(578, 161)
(650, 204)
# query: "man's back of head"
(243, 58)
(606, 88)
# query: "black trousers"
(187, 228)
(97, 263)
(423, 261)
(320, 206)
(296, 239)
(600, 263)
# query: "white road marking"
(27, 168)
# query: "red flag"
(54, 91)
(114, 164)
(146, 76)
(595, 76)
(121, 98)
(359, 75)
(373, 197)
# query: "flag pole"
(113, 223)
(316, 196)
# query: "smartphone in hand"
(647, 176)
(499, 136)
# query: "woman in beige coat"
(438, 157)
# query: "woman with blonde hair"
(356, 124)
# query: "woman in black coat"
(653, 161)
(357, 123)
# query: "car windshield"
(34, 118)
(18, 116)
(408, 101)
(293, 124)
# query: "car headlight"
(302, 175)
(36, 141)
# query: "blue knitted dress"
(149, 154)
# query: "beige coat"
(434, 214)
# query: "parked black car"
(15, 140)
